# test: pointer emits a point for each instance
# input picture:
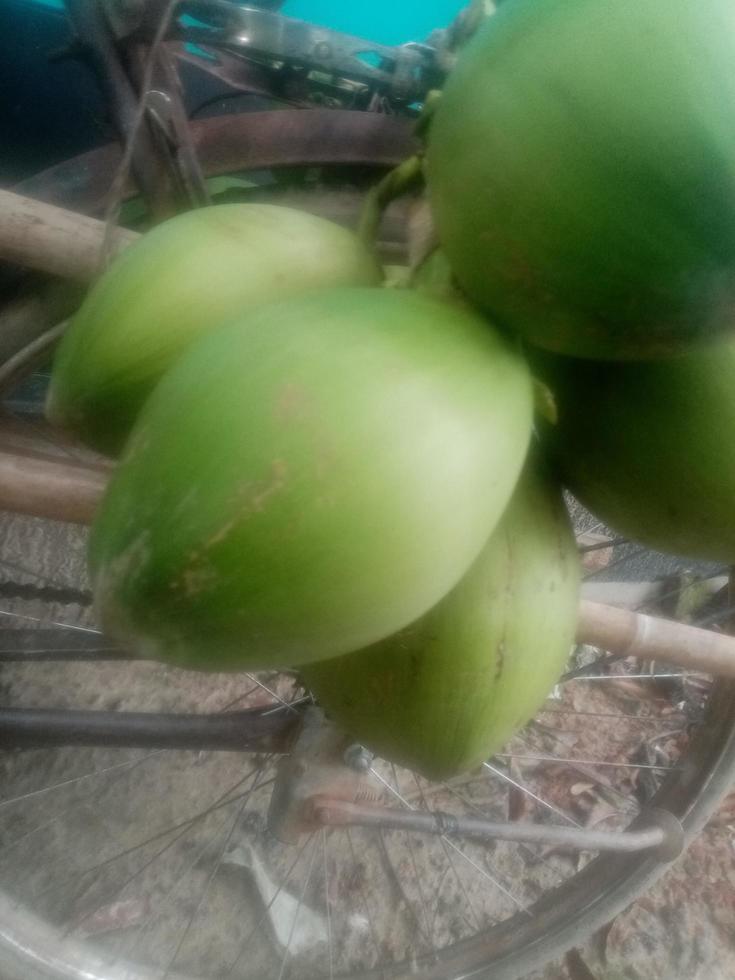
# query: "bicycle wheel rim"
(563, 916)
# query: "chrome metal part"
(316, 766)
(404, 73)
(655, 832)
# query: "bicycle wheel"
(140, 864)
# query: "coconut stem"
(398, 181)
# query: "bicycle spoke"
(78, 779)
(119, 889)
(600, 663)
(22, 655)
(222, 802)
(144, 927)
(365, 904)
(290, 705)
(505, 891)
(631, 804)
(183, 872)
(328, 904)
(395, 792)
(604, 782)
(287, 950)
(438, 891)
(585, 549)
(267, 908)
(524, 847)
(395, 881)
(627, 677)
(485, 874)
(242, 697)
(635, 553)
(276, 697)
(534, 796)
(5, 848)
(443, 841)
(583, 762)
(618, 716)
(444, 838)
(208, 884)
(238, 699)
(593, 528)
(417, 876)
(52, 622)
(427, 929)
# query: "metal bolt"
(322, 51)
(357, 757)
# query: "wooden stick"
(650, 638)
(44, 237)
(42, 486)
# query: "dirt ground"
(682, 929)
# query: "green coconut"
(449, 690)
(183, 278)
(649, 447)
(310, 479)
(580, 168)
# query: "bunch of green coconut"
(317, 471)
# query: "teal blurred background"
(379, 20)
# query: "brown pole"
(41, 487)
(41, 236)
(651, 638)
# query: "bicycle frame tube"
(254, 730)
